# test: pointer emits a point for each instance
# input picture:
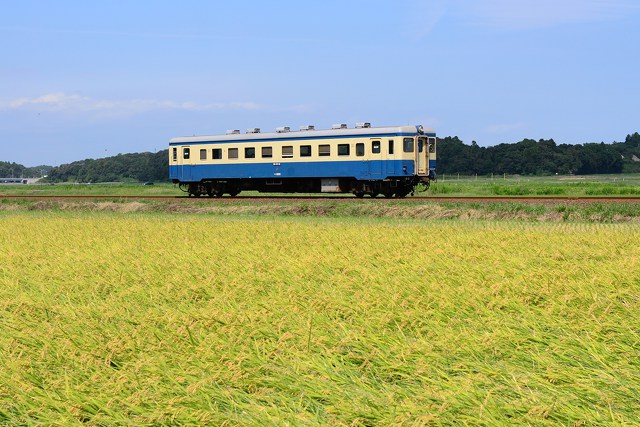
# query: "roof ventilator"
(283, 129)
(363, 125)
(339, 126)
(253, 130)
(307, 127)
(233, 131)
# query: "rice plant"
(156, 319)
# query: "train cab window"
(287, 151)
(267, 152)
(391, 146)
(233, 153)
(432, 145)
(324, 150)
(360, 149)
(216, 153)
(375, 147)
(203, 154)
(343, 149)
(305, 151)
(186, 153)
(249, 153)
(407, 145)
(175, 154)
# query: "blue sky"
(89, 79)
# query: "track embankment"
(533, 209)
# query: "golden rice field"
(159, 319)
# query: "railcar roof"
(369, 131)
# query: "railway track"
(345, 198)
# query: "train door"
(184, 164)
(422, 154)
(391, 156)
(432, 155)
(377, 166)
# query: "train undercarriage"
(399, 187)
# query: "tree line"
(16, 170)
(542, 157)
(527, 157)
(139, 167)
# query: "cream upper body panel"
(291, 150)
(373, 143)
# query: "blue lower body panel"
(360, 170)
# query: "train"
(13, 181)
(361, 160)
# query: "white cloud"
(61, 102)
(424, 16)
(526, 14)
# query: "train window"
(175, 154)
(360, 149)
(267, 152)
(287, 151)
(391, 146)
(421, 142)
(375, 147)
(233, 153)
(305, 151)
(407, 145)
(432, 145)
(216, 153)
(324, 150)
(343, 149)
(203, 154)
(186, 153)
(249, 153)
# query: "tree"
(133, 167)
(542, 157)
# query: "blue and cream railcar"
(362, 160)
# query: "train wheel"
(388, 194)
(359, 194)
(374, 194)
